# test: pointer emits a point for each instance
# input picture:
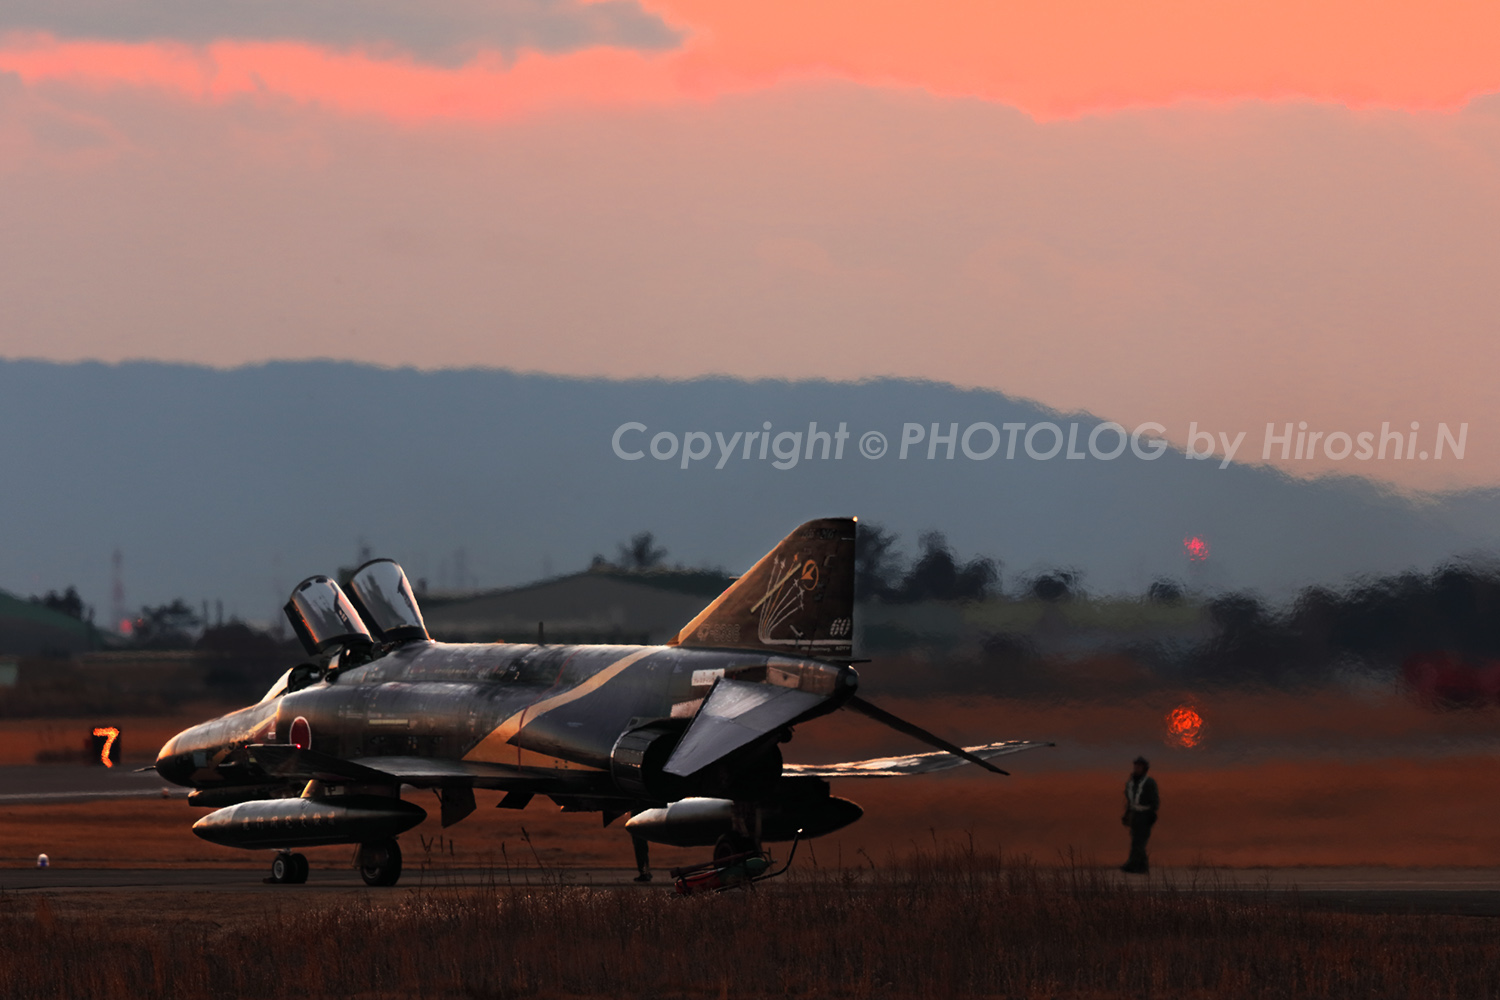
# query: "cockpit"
(335, 627)
(301, 676)
(277, 689)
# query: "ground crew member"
(1141, 802)
(642, 858)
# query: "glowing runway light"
(110, 734)
(1195, 547)
(1184, 727)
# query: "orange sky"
(1229, 213)
(1051, 59)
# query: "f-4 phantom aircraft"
(685, 738)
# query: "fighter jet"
(684, 738)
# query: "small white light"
(41, 861)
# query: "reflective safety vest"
(1133, 790)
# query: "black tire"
(283, 869)
(380, 864)
(300, 868)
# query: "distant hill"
(236, 484)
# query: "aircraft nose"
(174, 766)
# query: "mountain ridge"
(236, 483)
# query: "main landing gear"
(379, 864)
(288, 869)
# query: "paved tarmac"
(341, 877)
(27, 784)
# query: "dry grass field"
(933, 924)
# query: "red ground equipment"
(729, 872)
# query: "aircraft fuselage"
(515, 713)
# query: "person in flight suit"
(1141, 802)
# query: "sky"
(1211, 216)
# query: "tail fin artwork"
(799, 598)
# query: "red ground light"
(1184, 726)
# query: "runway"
(64, 880)
(34, 784)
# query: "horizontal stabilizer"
(894, 767)
(900, 725)
(735, 714)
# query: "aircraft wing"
(919, 763)
(736, 713)
(293, 763)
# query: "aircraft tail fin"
(798, 599)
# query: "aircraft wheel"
(299, 869)
(731, 843)
(283, 869)
(380, 864)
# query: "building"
(603, 604)
(28, 629)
